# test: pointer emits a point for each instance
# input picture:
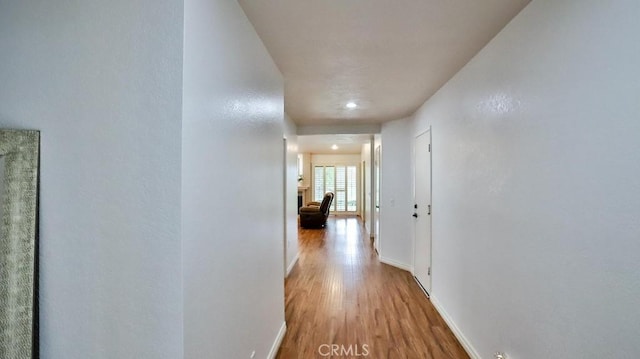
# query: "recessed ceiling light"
(351, 105)
(334, 147)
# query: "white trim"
(454, 328)
(276, 344)
(396, 264)
(293, 263)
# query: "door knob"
(415, 215)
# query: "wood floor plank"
(340, 294)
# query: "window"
(342, 181)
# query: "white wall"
(306, 170)
(102, 82)
(321, 159)
(536, 160)
(291, 217)
(396, 195)
(232, 186)
(342, 129)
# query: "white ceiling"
(388, 56)
(321, 144)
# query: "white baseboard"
(293, 263)
(396, 264)
(454, 328)
(276, 344)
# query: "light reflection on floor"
(340, 293)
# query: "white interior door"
(422, 211)
(376, 200)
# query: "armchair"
(314, 214)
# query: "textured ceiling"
(388, 56)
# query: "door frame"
(363, 194)
(285, 152)
(413, 257)
(376, 186)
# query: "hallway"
(340, 294)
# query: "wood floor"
(339, 294)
